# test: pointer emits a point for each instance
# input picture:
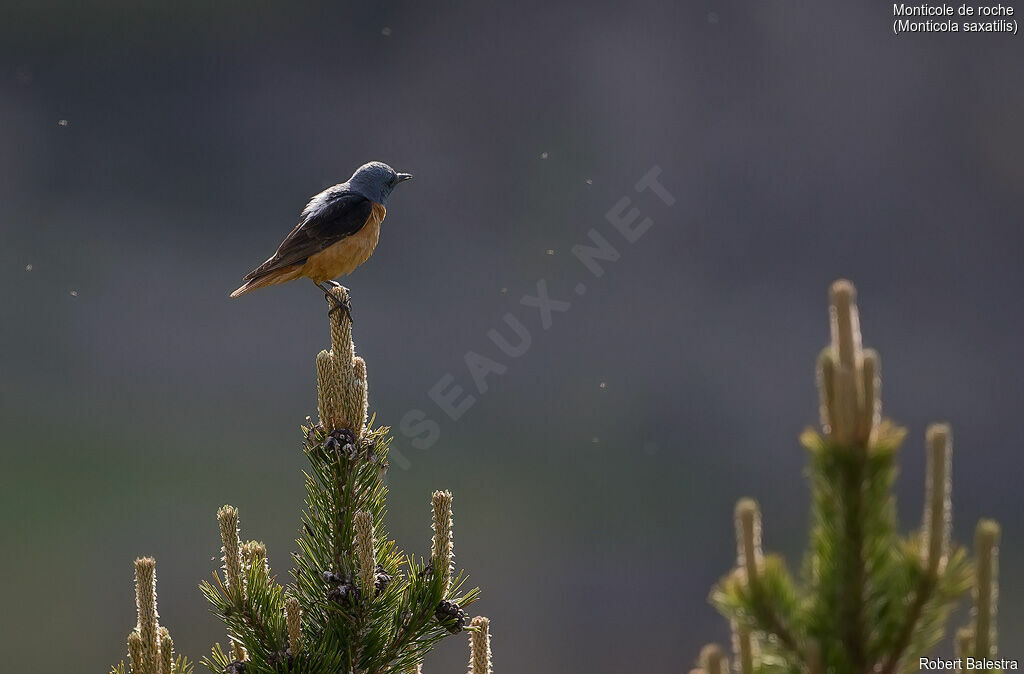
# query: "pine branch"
(150, 648)
(743, 647)
(851, 602)
(934, 536)
(758, 594)
(771, 619)
(986, 545)
(480, 646)
(921, 595)
(712, 660)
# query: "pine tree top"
(354, 602)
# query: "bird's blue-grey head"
(376, 180)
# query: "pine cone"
(451, 616)
(341, 442)
(236, 667)
(381, 581)
(281, 660)
(345, 592)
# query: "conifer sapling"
(869, 601)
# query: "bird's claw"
(341, 306)
(345, 306)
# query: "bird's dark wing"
(324, 224)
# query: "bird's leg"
(338, 305)
(348, 302)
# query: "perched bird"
(337, 232)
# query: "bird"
(337, 231)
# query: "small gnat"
(504, 291)
(386, 31)
(63, 122)
(28, 267)
(549, 251)
(603, 385)
(595, 439)
(543, 155)
(74, 293)
(589, 181)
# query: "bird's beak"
(402, 177)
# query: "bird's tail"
(272, 278)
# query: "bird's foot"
(345, 306)
(339, 306)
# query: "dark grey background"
(803, 141)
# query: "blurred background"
(152, 154)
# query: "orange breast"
(343, 257)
